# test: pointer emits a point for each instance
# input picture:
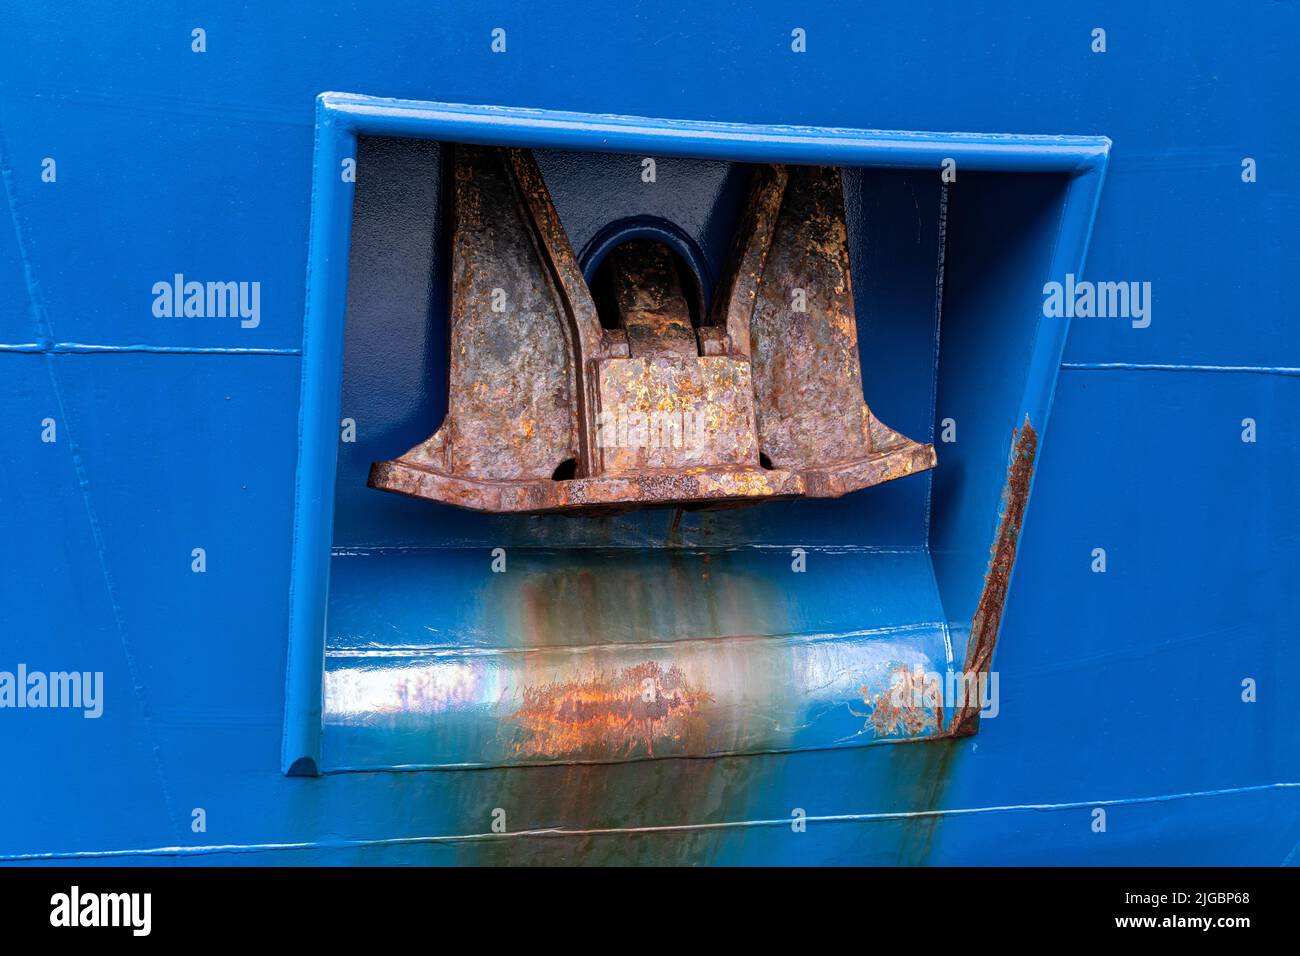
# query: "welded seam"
(82, 348)
(579, 650)
(1164, 367)
(364, 550)
(1290, 857)
(561, 832)
(941, 274)
(44, 329)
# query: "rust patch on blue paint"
(619, 715)
(900, 709)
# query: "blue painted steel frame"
(341, 117)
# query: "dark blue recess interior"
(1121, 690)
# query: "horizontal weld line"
(79, 348)
(360, 551)
(937, 735)
(1155, 367)
(684, 643)
(632, 831)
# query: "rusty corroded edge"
(988, 613)
(737, 293)
(649, 489)
(833, 481)
(588, 495)
(553, 250)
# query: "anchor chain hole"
(602, 287)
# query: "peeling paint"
(887, 717)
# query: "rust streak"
(988, 613)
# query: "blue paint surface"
(1121, 690)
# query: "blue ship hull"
(283, 666)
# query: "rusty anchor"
(556, 407)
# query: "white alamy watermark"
(1102, 300)
(181, 298)
(75, 908)
(72, 690)
(930, 690)
(622, 428)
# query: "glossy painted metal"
(599, 655)
(1120, 690)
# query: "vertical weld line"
(939, 280)
(44, 328)
(29, 276)
(1289, 859)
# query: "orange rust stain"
(606, 715)
(908, 706)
